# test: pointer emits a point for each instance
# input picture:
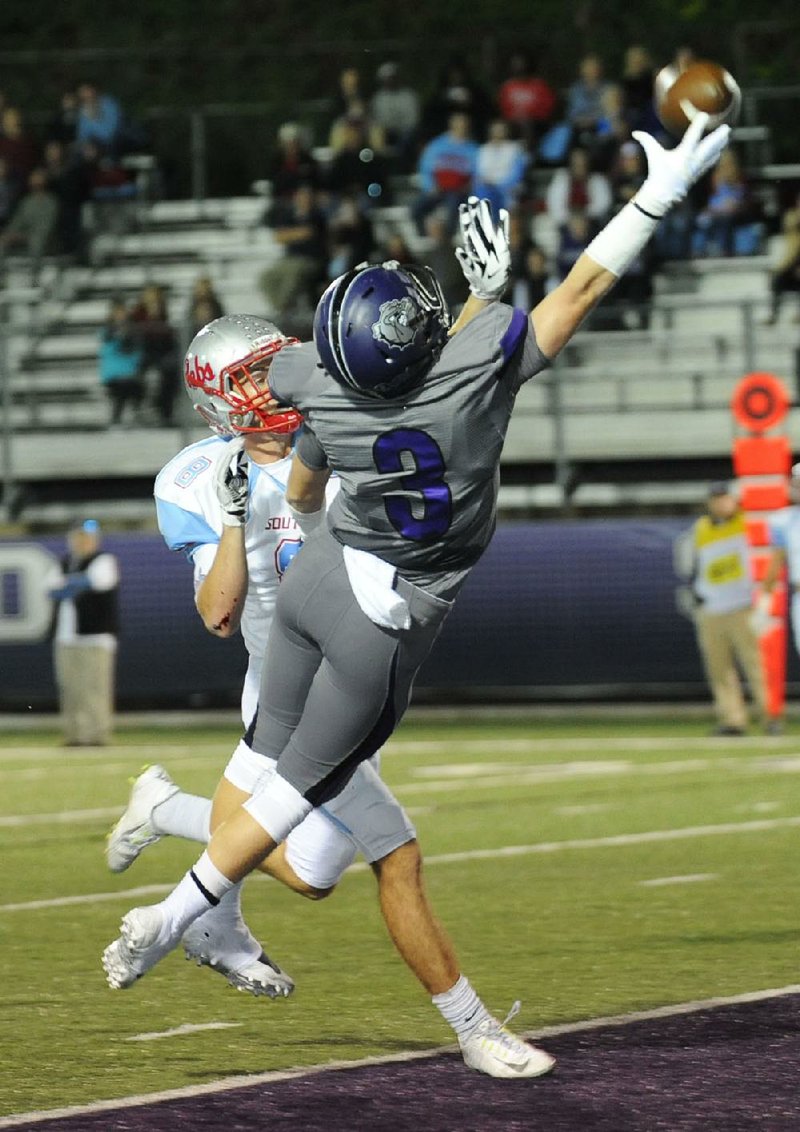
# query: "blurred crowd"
(48, 174)
(562, 161)
(535, 150)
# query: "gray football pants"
(334, 685)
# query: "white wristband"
(617, 245)
(307, 521)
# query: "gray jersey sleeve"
(310, 451)
(295, 374)
(502, 339)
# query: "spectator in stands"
(358, 164)
(577, 188)
(440, 257)
(17, 146)
(585, 108)
(728, 207)
(159, 345)
(531, 277)
(631, 301)
(627, 175)
(357, 118)
(612, 129)
(785, 276)
(297, 278)
(33, 227)
(573, 236)
(447, 170)
(395, 107)
(292, 164)
(638, 74)
(120, 360)
(395, 247)
(63, 126)
(349, 235)
(110, 181)
(68, 177)
(99, 119)
(456, 93)
(349, 91)
(85, 636)
(501, 167)
(204, 306)
(9, 194)
(525, 100)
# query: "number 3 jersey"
(419, 473)
(189, 519)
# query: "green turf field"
(570, 921)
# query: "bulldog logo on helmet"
(397, 322)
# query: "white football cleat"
(138, 948)
(134, 831)
(494, 1050)
(224, 948)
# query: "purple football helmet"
(380, 327)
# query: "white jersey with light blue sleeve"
(365, 816)
(189, 520)
(784, 533)
(420, 473)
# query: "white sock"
(461, 1007)
(202, 888)
(183, 815)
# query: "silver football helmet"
(224, 374)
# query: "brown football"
(703, 85)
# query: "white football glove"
(672, 172)
(231, 483)
(485, 257)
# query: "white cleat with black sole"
(140, 946)
(225, 950)
(494, 1050)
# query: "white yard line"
(230, 1083)
(15, 821)
(398, 746)
(88, 898)
(185, 1028)
(615, 841)
(689, 878)
(510, 775)
(74, 756)
(586, 743)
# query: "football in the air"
(702, 86)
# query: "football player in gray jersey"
(412, 416)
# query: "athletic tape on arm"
(620, 242)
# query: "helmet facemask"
(233, 397)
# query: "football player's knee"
(401, 865)
(311, 893)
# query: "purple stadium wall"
(557, 609)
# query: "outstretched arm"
(671, 173)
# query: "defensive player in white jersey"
(413, 420)
(784, 532)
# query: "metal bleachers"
(614, 396)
